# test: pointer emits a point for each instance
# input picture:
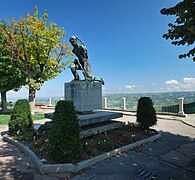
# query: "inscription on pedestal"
(86, 95)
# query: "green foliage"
(7, 67)
(26, 134)
(183, 31)
(11, 78)
(37, 48)
(146, 114)
(21, 118)
(64, 132)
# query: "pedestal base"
(181, 112)
(86, 95)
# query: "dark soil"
(94, 145)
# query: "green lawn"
(4, 118)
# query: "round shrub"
(64, 132)
(146, 114)
(21, 118)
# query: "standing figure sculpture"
(82, 63)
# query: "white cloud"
(172, 82)
(188, 84)
(189, 80)
(129, 86)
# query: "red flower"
(120, 143)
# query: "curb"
(27, 151)
(69, 167)
(186, 123)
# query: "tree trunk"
(31, 99)
(3, 101)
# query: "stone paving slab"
(188, 150)
(126, 167)
(176, 158)
(191, 165)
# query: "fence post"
(105, 103)
(50, 102)
(123, 103)
(181, 111)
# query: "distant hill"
(114, 100)
(159, 99)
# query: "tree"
(64, 133)
(146, 114)
(21, 119)
(37, 50)
(11, 78)
(183, 31)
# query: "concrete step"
(97, 128)
(95, 117)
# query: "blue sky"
(124, 42)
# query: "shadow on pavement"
(173, 156)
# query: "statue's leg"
(87, 70)
(73, 69)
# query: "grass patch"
(38, 117)
(4, 117)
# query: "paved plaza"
(171, 157)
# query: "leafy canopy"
(183, 31)
(37, 50)
(11, 78)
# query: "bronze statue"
(82, 63)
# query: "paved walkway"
(172, 157)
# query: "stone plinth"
(86, 95)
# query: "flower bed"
(94, 145)
(48, 165)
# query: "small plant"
(146, 114)
(64, 132)
(21, 119)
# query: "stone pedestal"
(86, 95)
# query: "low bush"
(21, 119)
(64, 132)
(146, 114)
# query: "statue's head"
(73, 40)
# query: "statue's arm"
(80, 41)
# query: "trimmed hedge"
(21, 119)
(64, 133)
(146, 114)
